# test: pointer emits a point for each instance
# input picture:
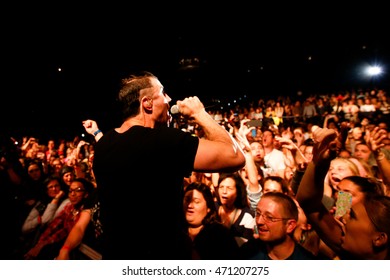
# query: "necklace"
(75, 212)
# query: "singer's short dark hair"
(129, 94)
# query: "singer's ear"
(147, 102)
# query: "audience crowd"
(300, 154)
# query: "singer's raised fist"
(189, 106)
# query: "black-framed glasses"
(78, 190)
(270, 219)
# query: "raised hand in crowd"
(375, 140)
(92, 128)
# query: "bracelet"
(65, 247)
(97, 132)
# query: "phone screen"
(343, 203)
(254, 133)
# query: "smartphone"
(343, 203)
(254, 133)
(255, 123)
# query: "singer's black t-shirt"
(139, 177)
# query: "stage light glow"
(373, 70)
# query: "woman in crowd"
(360, 187)
(339, 169)
(67, 175)
(206, 237)
(233, 208)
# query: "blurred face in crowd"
(288, 173)
(34, 171)
(353, 189)
(68, 177)
(308, 153)
(344, 154)
(357, 133)
(358, 226)
(57, 165)
(195, 208)
(257, 151)
(268, 139)
(362, 152)
(338, 170)
(53, 188)
(272, 186)
(76, 192)
(227, 192)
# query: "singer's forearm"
(217, 151)
(212, 130)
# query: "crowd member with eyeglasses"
(276, 220)
(145, 146)
(80, 193)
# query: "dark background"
(232, 53)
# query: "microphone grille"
(174, 109)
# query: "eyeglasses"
(78, 190)
(269, 219)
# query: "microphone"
(175, 109)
